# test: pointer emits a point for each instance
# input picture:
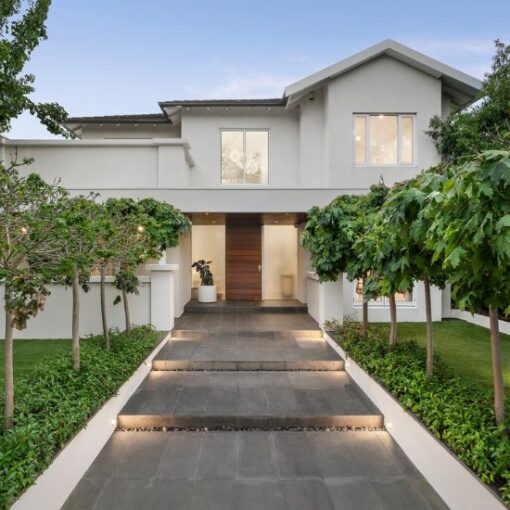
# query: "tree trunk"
(126, 310)
(9, 369)
(106, 332)
(430, 339)
(364, 327)
(76, 321)
(497, 373)
(393, 320)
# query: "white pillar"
(162, 295)
(331, 301)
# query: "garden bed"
(53, 403)
(456, 412)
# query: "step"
(269, 306)
(248, 399)
(284, 350)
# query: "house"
(248, 170)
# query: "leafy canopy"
(30, 210)
(470, 230)
(485, 126)
(22, 28)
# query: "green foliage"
(165, 223)
(203, 269)
(470, 230)
(331, 232)
(456, 412)
(486, 126)
(30, 210)
(407, 228)
(22, 28)
(54, 402)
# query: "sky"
(107, 57)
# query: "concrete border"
(55, 484)
(457, 485)
(479, 320)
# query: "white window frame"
(383, 301)
(367, 162)
(244, 131)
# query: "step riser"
(256, 422)
(246, 309)
(199, 334)
(169, 365)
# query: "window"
(402, 298)
(383, 139)
(244, 156)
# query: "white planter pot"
(207, 293)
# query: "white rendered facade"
(177, 155)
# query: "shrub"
(458, 413)
(54, 402)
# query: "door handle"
(260, 268)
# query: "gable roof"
(461, 86)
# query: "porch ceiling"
(247, 218)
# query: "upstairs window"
(244, 156)
(384, 139)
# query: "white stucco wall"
(202, 129)
(55, 320)
(406, 312)
(181, 255)
(208, 242)
(279, 261)
(381, 86)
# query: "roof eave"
(467, 85)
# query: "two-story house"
(247, 171)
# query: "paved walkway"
(278, 463)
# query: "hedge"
(457, 412)
(54, 402)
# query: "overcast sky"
(123, 56)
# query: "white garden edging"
(453, 481)
(55, 484)
(479, 320)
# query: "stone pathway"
(274, 397)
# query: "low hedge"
(53, 403)
(456, 412)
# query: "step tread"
(196, 399)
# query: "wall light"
(388, 425)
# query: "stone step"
(269, 306)
(284, 350)
(248, 399)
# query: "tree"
(76, 235)
(403, 215)
(29, 212)
(22, 28)
(466, 132)
(133, 247)
(470, 232)
(330, 234)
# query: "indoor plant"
(207, 289)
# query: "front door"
(243, 262)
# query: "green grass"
(464, 346)
(29, 353)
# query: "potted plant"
(207, 289)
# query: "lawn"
(28, 354)
(464, 346)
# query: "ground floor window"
(403, 298)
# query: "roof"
(273, 101)
(143, 118)
(461, 86)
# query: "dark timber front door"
(243, 262)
